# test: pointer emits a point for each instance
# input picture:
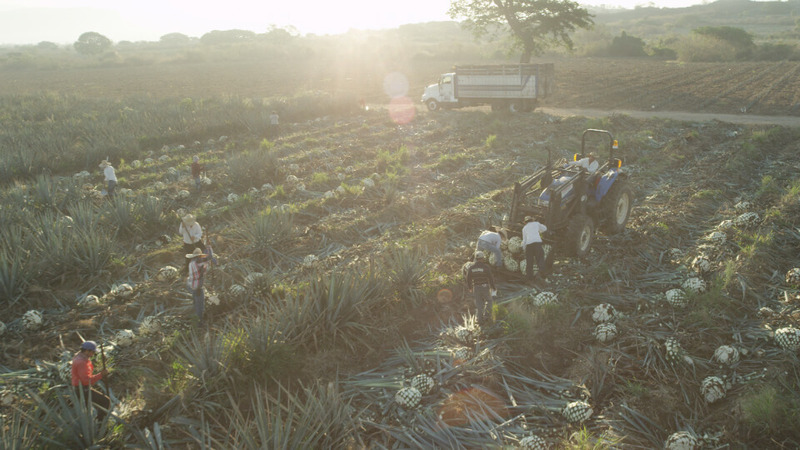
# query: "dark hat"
(89, 345)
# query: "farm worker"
(490, 241)
(480, 282)
(589, 163)
(110, 177)
(273, 123)
(83, 377)
(194, 282)
(532, 242)
(197, 169)
(192, 234)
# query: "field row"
(747, 87)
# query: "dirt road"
(745, 119)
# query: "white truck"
(513, 87)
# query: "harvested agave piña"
(423, 383)
(124, 338)
(681, 440)
(605, 332)
(32, 320)
(788, 338)
(793, 277)
(460, 353)
(237, 290)
(676, 298)
(726, 354)
(123, 290)
(747, 219)
(149, 325)
(166, 273)
(533, 442)
(309, 260)
(717, 237)
(674, 351)
(701, 264)
(545, 298)
(577, 411)
(510, 264)
(515, 245)
(712, 388)
(88, 300)
(604, 312)
(408, 397)
(694, 285)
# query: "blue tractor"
(572, 200)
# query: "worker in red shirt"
(83, 378)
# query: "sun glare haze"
(150, 19)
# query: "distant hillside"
(766, 21)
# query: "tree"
(534, 24)
(92, 43)
(176, 39)
(227, 36)
(740, 39)
(626, 45)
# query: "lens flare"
(395, 85)
(444, 296)
(402, 110)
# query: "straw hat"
(104, 163)
(197, 252)
(189, 220)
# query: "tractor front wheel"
(580, 234)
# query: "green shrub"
(253, 168)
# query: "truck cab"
(440, 94)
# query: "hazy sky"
(32, 21)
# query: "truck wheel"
(433, 105)
(514, 106)
(616, 206)
(580, 234)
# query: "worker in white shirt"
(192, 235)
(534, 252)
(110, 177)
(589, 163)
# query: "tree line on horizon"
(501, 29)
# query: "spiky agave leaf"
(68, 422)
(16, 432)
(333, 309)
(315, 417)
(264, 233)
(407, 269)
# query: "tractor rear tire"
(616, 207)
(580, 234)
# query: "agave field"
(337, 316)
